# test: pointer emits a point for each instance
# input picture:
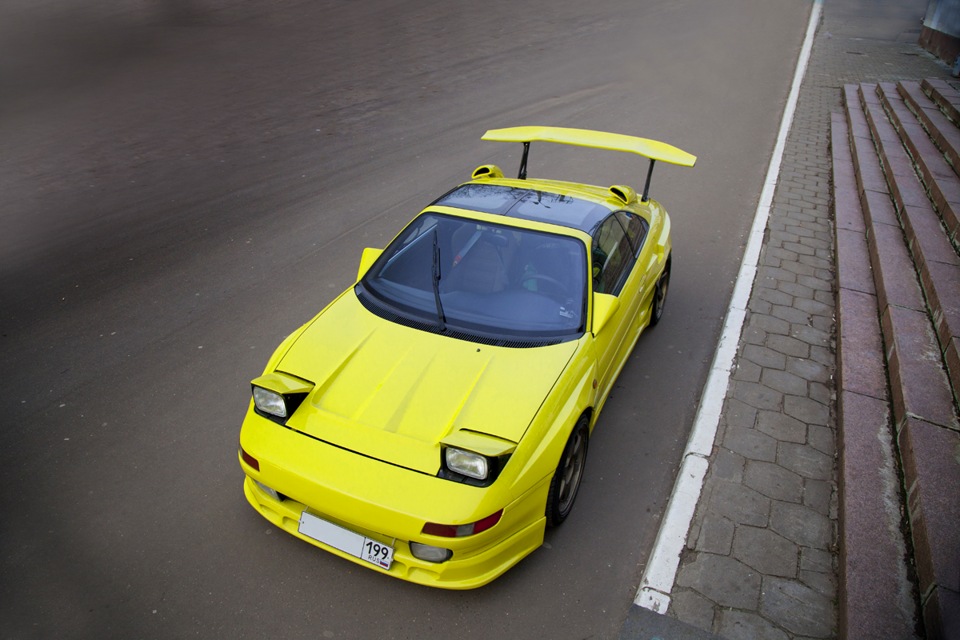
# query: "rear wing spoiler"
(596, 140)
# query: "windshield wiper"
(436, 280)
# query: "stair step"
(943, 132)
(937, 174)
(944, 96)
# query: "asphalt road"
(184, 182)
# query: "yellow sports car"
(434, 419)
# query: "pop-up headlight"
(472, 465)
(269, 402)
(474, 458)
(277, 395)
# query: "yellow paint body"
(363, 450)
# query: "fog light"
(267, 490)
(429, 553)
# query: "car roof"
(568, 204)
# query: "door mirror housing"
(604, 307)
(369, 256)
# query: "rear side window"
(636, 228)
(612, 256)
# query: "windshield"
(481, 281)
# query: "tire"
(660, 296)
(566, 479)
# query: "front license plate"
(345, 540)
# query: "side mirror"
(369, 256)
(604, 308)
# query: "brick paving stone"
(816, 308)
(805, 461)
(784, 382)
(822, 439)
(764, 357)
(801, 525)
(722, 579)
(816, 560)
(716, 535)
(781, 427)
(788, 345)
(790, 314)
(756, 305)
(808, 369)
(819, 495)
(728, 465)
(770, 324)
(739, 414)
(795, 289)
(811, 335)
(806, 410)
(773, 481)
(821, 393)
(747, 371)
(744, 625)
(757, 395)
(823, 324)
(691, 607)
(740, 504)
(823, 583)
(750, 443)
(798, 608)
(773, 296)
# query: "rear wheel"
(660, 296)
(569, 473)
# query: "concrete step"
(940, 128)
(901, 142)
(925, 390)
(935, 171)
(937, 260)
(872, 568)
(944, 96)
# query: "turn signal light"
(458, 531)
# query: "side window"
(612, 257)
(636, 228)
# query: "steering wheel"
(559, 289)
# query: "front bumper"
(388, 504)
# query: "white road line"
(661, 570)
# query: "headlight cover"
(467, 463)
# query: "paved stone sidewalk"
(760, 560)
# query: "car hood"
(393, 393)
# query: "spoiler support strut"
(523, 161)
(646, 185)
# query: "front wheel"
(569, 473)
